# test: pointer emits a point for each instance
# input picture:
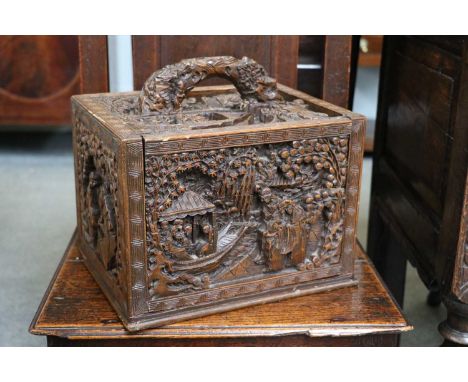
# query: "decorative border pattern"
(244, 139)
(242, 288)
(353, 184)
(136, 221)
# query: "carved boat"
(208, 263)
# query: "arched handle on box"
(166, 88)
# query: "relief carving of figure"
(96, 166)
(92, 210)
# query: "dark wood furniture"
(74, 312)
(38, 74)
(280, 55)
(420, 171)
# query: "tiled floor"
(37, 218)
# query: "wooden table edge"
(50, 286)
(309, 331)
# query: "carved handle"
(250, 79)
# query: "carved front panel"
(224, 222)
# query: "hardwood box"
(197, 200)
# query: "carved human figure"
(188, 231)
(285, 234)
(92, 210)
(178, 244)
(293, 212)
(269, 204)
(204, 245)
(313, 222)
(296, 232)
(164, 232)
(270, 248)
(107, 241)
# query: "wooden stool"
(74, 312)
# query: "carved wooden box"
(192, 201)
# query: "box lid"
(169, 104)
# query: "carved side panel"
(460, 275)
(223, 222)
(98, 195)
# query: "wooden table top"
(74, 307)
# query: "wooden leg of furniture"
(386, 254)
(455, 328)
(434, 298)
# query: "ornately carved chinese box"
(192, 201)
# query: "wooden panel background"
(38, 74)
(93, 64)
(278, 54)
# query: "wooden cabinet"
(420, 165)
